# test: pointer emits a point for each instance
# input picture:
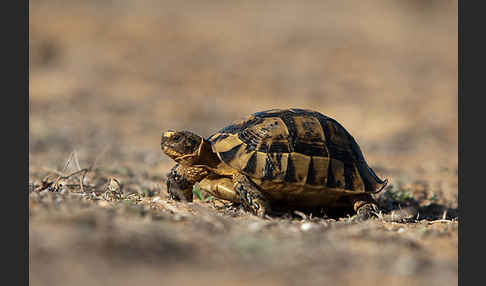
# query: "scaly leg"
(178, 186)
(365, 207)
(251, 197)
(221, 188)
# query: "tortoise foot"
(251, 197)
(365, 210)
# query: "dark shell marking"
(295, 146)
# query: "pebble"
(102, 203)
(307, 226)
(255, 226)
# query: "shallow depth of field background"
(107, 77)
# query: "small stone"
(102, 203)
(307, 226)
(255, 226)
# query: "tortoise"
(294, 158)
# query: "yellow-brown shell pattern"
(295, 146)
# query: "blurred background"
(107, 77)
(110, 76)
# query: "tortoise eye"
(177, 138)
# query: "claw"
(176, 193)
(366, 212)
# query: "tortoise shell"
(295, 146)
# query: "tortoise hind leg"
(365, 207)
(250, 195)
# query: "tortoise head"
(182, 146)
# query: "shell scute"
(295, 146)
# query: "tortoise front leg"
(178, 186)
(221, 188)
(181, 179)
(250, 195)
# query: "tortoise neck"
(206, 154)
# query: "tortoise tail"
(385, 183)
(377, 184)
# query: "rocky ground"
(107, 77)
